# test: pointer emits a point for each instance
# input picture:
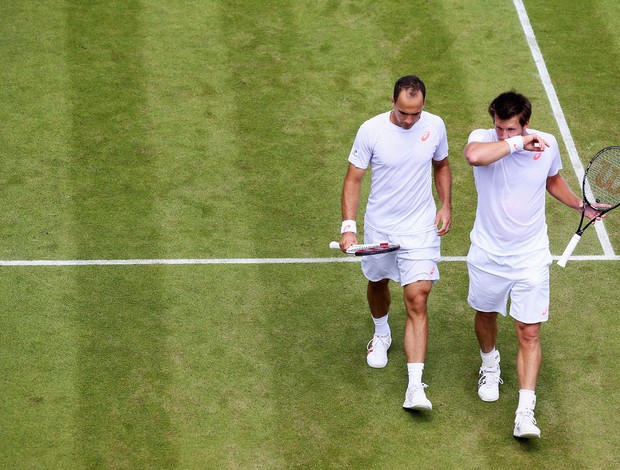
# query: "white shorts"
(406, 265)
(493, 280)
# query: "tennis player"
(509, 255)
(405, 148)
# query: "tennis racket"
(367, 249)
(601, 191)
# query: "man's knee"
(528, 333)
(416, 296)
(379, 287)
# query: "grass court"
(141, 130)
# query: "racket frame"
(367, 249)
(586, 190)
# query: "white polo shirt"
(510, 217)
(401, 197)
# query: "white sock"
(527, 399)
(382, 328)
(488, 359)
(415, 369)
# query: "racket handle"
(334, 245)
(569, 250)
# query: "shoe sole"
(488, 400)
(418, 407)
(376, 367)
(526, 435)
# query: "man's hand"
(443, 221)
(347, 239)
(534, 143)
(594, 212)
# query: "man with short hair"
(405, 148)
(509, 255)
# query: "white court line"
(188, 261)
(559, 115)
(225, 261)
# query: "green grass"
(221, 129)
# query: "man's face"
(509, 127)
(407, 109)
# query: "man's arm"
(351, 191)
(485, 153)
(443, 182)
(559, 189)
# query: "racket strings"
(603, 176)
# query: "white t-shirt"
(510, 217)
(401, 195)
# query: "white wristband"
(348, 226)
(515, 143)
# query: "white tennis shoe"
(415, 398)
(488, 383)
(525, 424)
(377, 351)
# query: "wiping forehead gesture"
(511, 118)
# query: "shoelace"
(414, 388)
(489, 377)
(525, 415)
(371, 346)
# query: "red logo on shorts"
(432, 272)
(544, 312)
